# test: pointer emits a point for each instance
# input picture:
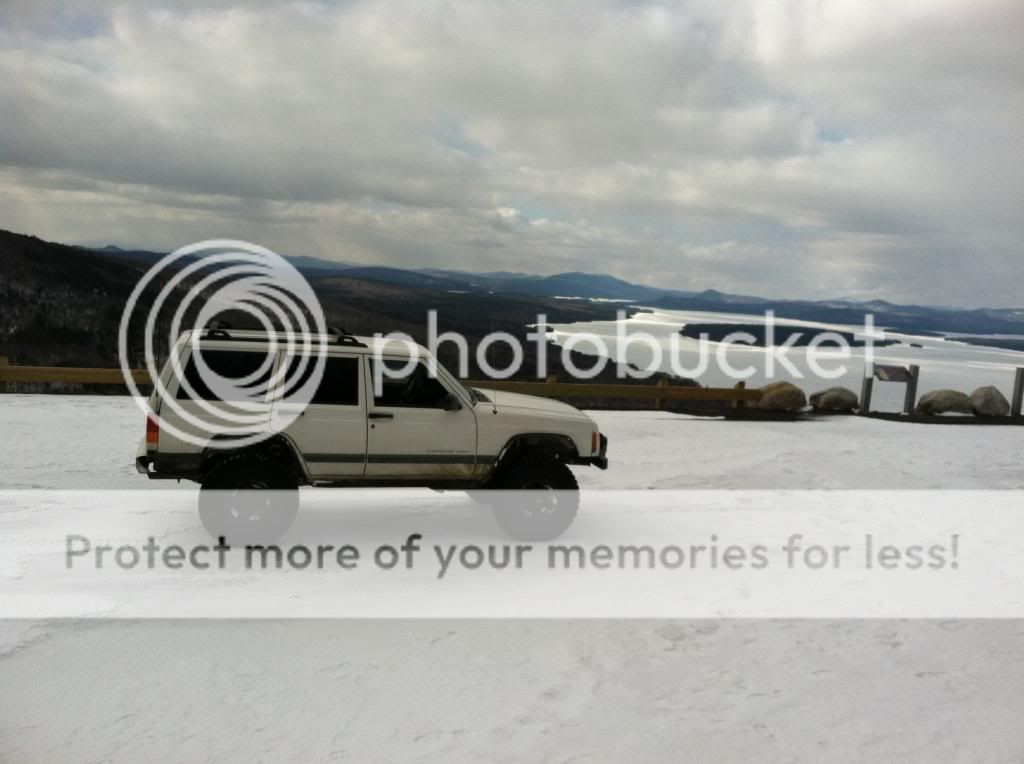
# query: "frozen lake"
(944, 362)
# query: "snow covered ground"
(553, 690)
(82, 441)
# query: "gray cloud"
(796, 149)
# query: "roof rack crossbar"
(344, 337)
(348, 339)
(218, 331)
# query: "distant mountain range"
(62, 305)
(922, 319)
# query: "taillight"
(152, 430)
(594, 439)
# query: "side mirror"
(451, 403)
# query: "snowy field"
(73, 441)
(509, 690)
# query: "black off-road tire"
(536, 498)
(248, 499)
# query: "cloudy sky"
(799, 149)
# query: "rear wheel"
(537, 499)
(248, 500)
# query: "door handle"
(379, 415)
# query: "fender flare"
(278, 447)
(559, 446)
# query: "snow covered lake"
(509, 690)
(944, 362)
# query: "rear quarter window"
(227, 369)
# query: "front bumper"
(601, 460)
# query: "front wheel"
(537, 499)
(248, 500)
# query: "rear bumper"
(168, 470)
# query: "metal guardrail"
(550, 388)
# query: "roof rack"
(218, 330)
(345, 338)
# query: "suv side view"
(419, 427)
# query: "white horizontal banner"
(397, 553)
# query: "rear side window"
(339, 385)
(226, 369)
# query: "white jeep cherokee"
(425, 428)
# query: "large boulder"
(988, 401)
(944, 402)
(838, 399)
(781, 396)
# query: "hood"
(508, 402)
